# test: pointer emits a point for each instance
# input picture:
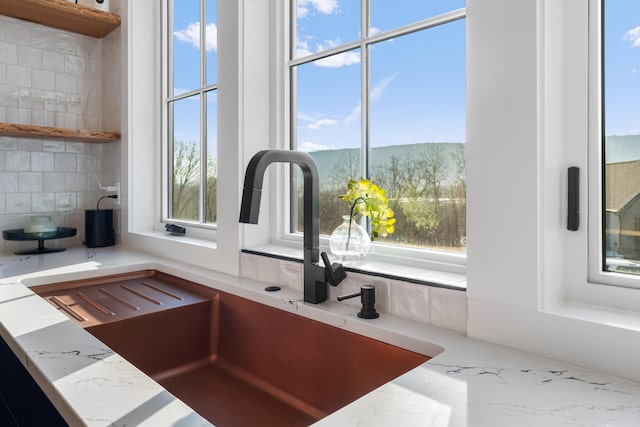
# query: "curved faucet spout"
(315, 276)
(252, 192)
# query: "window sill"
(181, 240)
(374, 265)
(605, 316)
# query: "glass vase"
(349, 241)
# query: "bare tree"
(186, 173)
(212, 191)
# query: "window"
(589, 79)
(621, 136)
(378, 91)
(190, 112)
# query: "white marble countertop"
(470, 383)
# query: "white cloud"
(633, 35)
(325, 7)
(378, 90)
(191, 35)
(376, 94)
(308, 146)
(302, 49)
(354, 115)
(339, 60)
(319, 124)
(179, 90)
(333, 61)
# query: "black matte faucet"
(315, 276)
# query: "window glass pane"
(185, 176)
(186, 46)
(386, 14)
(212, 157)
(321, 25)
(621, 42)
(417, 134)
(328, 126)
(212, 42)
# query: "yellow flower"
(367, 199)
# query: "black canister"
(98, 228)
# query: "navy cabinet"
(22, 402)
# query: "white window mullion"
(365, 86)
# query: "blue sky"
(622, 67)
(417, 81)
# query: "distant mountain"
(381, 156)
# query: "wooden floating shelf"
(30, 131)
(63, 15)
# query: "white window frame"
(142, 228)
(423, 258)
(572, 128)
(198, 229)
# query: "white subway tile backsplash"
(290, 274)
(8, 221)
(86, 47)
(17, 161)
(29, 144)
(38, 118)
(76, 65)
(76, 182)
(65, 42)
(42, 161)
(29, 57)
(54, 146)
(89, 122)
(65, 120)
(53, 61)
(68, 83)
(43, 202)
(18, 75)
(410, 300)
(8, 53)
(77, 147)
(260, 268)
(41, 38)
(449, 309)
(18, 115)
(64, 162)
(55, 182)
(427, 304)
(43, 79)
(17, 31)
(8, 143)
(8, 182)
(18, 203)
(29, 103)
(66, 202)
(29, 182)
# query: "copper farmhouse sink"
(234, 361)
